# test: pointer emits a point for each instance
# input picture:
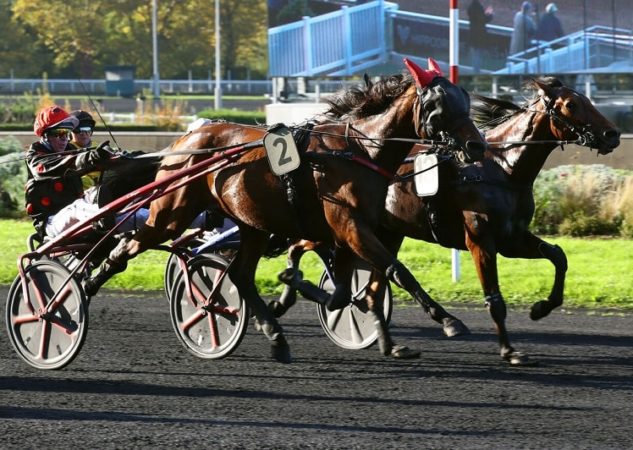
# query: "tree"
(82, 37)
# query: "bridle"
(586, 136)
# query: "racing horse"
(335, 196)
(486, 207)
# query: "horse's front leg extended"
(366, 245)
(533, 247)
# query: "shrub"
(12, 177)
(583, 200)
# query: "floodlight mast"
(218, 73)
(155, 76)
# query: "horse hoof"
(455, 327)
(404, 352)
(280, 350)
(518, 359)
(539, 310)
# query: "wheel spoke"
(45, 339)
(191, 321)
(355, 332)
(19, 320)
(333, 318)
(213, 331)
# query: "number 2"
(283, 159)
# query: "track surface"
(133, 385)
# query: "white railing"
(339, 43)
(98, 86)
(589, 50)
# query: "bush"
(243, 117)
(12, 177)
(583, 200)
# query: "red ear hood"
(435, 67)
(423, 77)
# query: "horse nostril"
(611, 134)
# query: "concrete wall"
(621, 158)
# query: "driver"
(55, 197)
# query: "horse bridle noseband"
(586, 137)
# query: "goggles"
(83, 130)
(59, 133)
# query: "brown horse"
(336, 195)
(486, 207)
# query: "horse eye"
(571, 106)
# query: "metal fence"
(19, 86)
(339, 43)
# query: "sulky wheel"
(172, 269)
(208, 329)
(47, 337)
(353, 327)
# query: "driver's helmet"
(84, 117)
(53, 117)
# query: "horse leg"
(126, 249)
(343, 268)
(366, 245)
(533, 247)
(253, 244)
(291, 275)
(480, 243)
(375, 295)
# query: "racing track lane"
(133, 385)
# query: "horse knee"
(400, 275)
(555, 254)
(497, 306)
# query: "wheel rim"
(49, 341)
(214, 332)
(353, 327)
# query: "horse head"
(443, 110)
(573, 117)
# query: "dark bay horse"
(339, 188)
(486, 207)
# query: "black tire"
(49, 341)
(353, 327)
(227, 314)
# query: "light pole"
(155, 76)
(218, 72)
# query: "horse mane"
(488, 112)
(372, 98)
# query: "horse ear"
(435, 67)
(545, 91)
(368, 83)
(422, 77)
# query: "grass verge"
(599, 274)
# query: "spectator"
(524, 29)
(549, 27)
(478, 18)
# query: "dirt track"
(133, 385)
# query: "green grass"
(599, 272)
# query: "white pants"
(84, 208)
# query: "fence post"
(307, 43)
(347, 39)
